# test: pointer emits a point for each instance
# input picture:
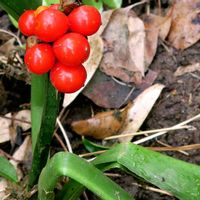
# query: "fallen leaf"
(139, 110)
(8, 125)
(5, 125)
(185, 29)
(23, 119)
(7, 47)
(124, 43)
(187, 69)
(151, 40)
(155, 26)
(3, 186)
(107, 92)
(24, 151)
(101, 125)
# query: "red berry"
(85, 20)
(27, 23)
(68, 79)
(50, 24)
(39, 58)
(72, 49)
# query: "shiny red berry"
(27, 23)
(85, 20)
(50, 24)
(68, 79)
(39, 58)
(71, 49)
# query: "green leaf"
(98, 4)
(67, 164)
(13, 21)
(178, 177)
(49, 2)
(7, 170)
(91, 146)
(113, 3)
(44, 110)
(15, 7)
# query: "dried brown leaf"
(124, 40)
(5, 125)
(101, 125)
(23, 119)
(187, 69)
(185, 29)
(22, 154)
(7, 47)
(139, 110)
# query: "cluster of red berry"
(63, 47)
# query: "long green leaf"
(113, 3)
(98, 4)
(15, 7)
(67, 164)
(180, 178)
(7, 170)
(44, 110)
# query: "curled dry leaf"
(156, 23)
(187, 69)
(23, 153)
(3, 186)
(5, 125)
(155, 26)
(7, 47)
(124, 40)
(139, 110)
(108, 92)
(101, 125)
(8, 125)
(105, 92)
(185, 30)
(23, 119)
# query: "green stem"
(44, 110)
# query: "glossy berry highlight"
(27, 23)
(72, 49)
(50, 24)
(85, 20)
(68, 79)
(39, 59)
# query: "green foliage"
(91, 146)
(67, 164)
(44, 110)
(7, 170)
(15, 8)
(49, 2)
(180, 178)
(113, 3)
(97, 4)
